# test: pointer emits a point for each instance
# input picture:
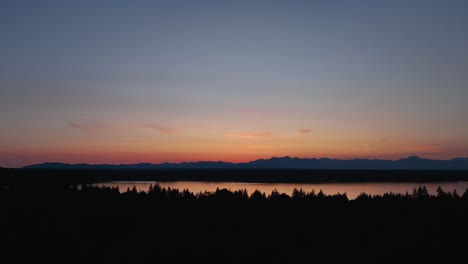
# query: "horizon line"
(246, 162)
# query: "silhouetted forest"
(83, 224)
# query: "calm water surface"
(351, 189)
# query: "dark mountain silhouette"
(410, 163)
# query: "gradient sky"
(154, 81)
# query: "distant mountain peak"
(459, 159)
(413, 158)
(278, 158)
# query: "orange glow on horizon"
(97, 143)
(10, 159)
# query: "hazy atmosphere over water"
(156, 81)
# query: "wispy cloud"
(91, 127)
(164, 130)
(366, 148)
(425, 148)
(252, 113)
(249, 135)
(383, 140)
(305, 131)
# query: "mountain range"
(410, 163)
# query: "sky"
(172, 81)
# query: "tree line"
(96, 224)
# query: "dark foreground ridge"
(102, 225)
(84, 176)
(410, 163)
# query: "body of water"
(351, 189)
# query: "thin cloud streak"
(252, 113)
(90, 127)
(305, 131)
(425, 148)
(383, 140)
(366, 148)
(162, 129)
(249, 135)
